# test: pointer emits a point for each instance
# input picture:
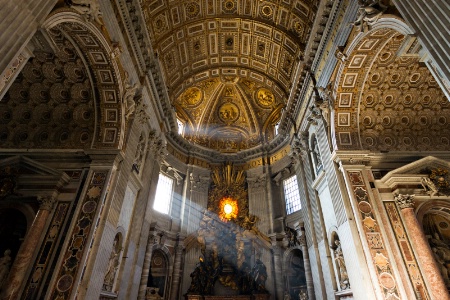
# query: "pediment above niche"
(25, 177)
(412, 174)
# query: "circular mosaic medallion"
(89, 207)
(229, 6)
(228, 112)
(64, 283)
(267, 11)
(387, 280)
(364, 207)
(265, 97)
(191, 97)
(298, 28)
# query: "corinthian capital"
(46, 202)
(404, 201)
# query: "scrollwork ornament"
(46, 202)
(404, 201)
(301, 240)
(88, 8)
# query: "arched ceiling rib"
(235, 44)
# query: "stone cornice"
(212, 156)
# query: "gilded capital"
(404, 201)
(46, 202)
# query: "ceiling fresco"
(229, 65)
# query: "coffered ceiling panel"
(225, 43)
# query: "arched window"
(291, 195)
(295, 274)
(163, 196)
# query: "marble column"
(278, 261)
(146, 267)
(176, 277)
(307, 265)
(24, 257)
(436, 285)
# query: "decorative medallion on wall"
(191, 97)
(265, 97)
(228, 112)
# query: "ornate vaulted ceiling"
(229, 65)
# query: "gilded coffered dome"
(229, 65)
(229, 113)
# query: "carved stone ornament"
(404, 201)
(128, 97)
(140, 154)
(157, 146)
(141, 113)
(257, 182)
(368, 14)
(201, 184)
(88, 8)
(46, 202)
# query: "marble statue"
(259, 274)
(113, 265)
(339, 258)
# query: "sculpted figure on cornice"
(299, 146)
(256, 182)
(368, 14)
(326, 102)
(199, 183)
(128, 97)
(156, 145)
(89, 8)
(140, 153)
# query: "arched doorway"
(295, 274)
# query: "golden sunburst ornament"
(228, 208)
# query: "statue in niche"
(139, 156)
(259, 274)
(5, 264)
(368, 14)
(113, 265)
(316, 155)
(340, 263)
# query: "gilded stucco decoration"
(387, 100)
(228, 113)
(229, 64)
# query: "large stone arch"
(386, 99)
(69, 95)
(106, 71)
